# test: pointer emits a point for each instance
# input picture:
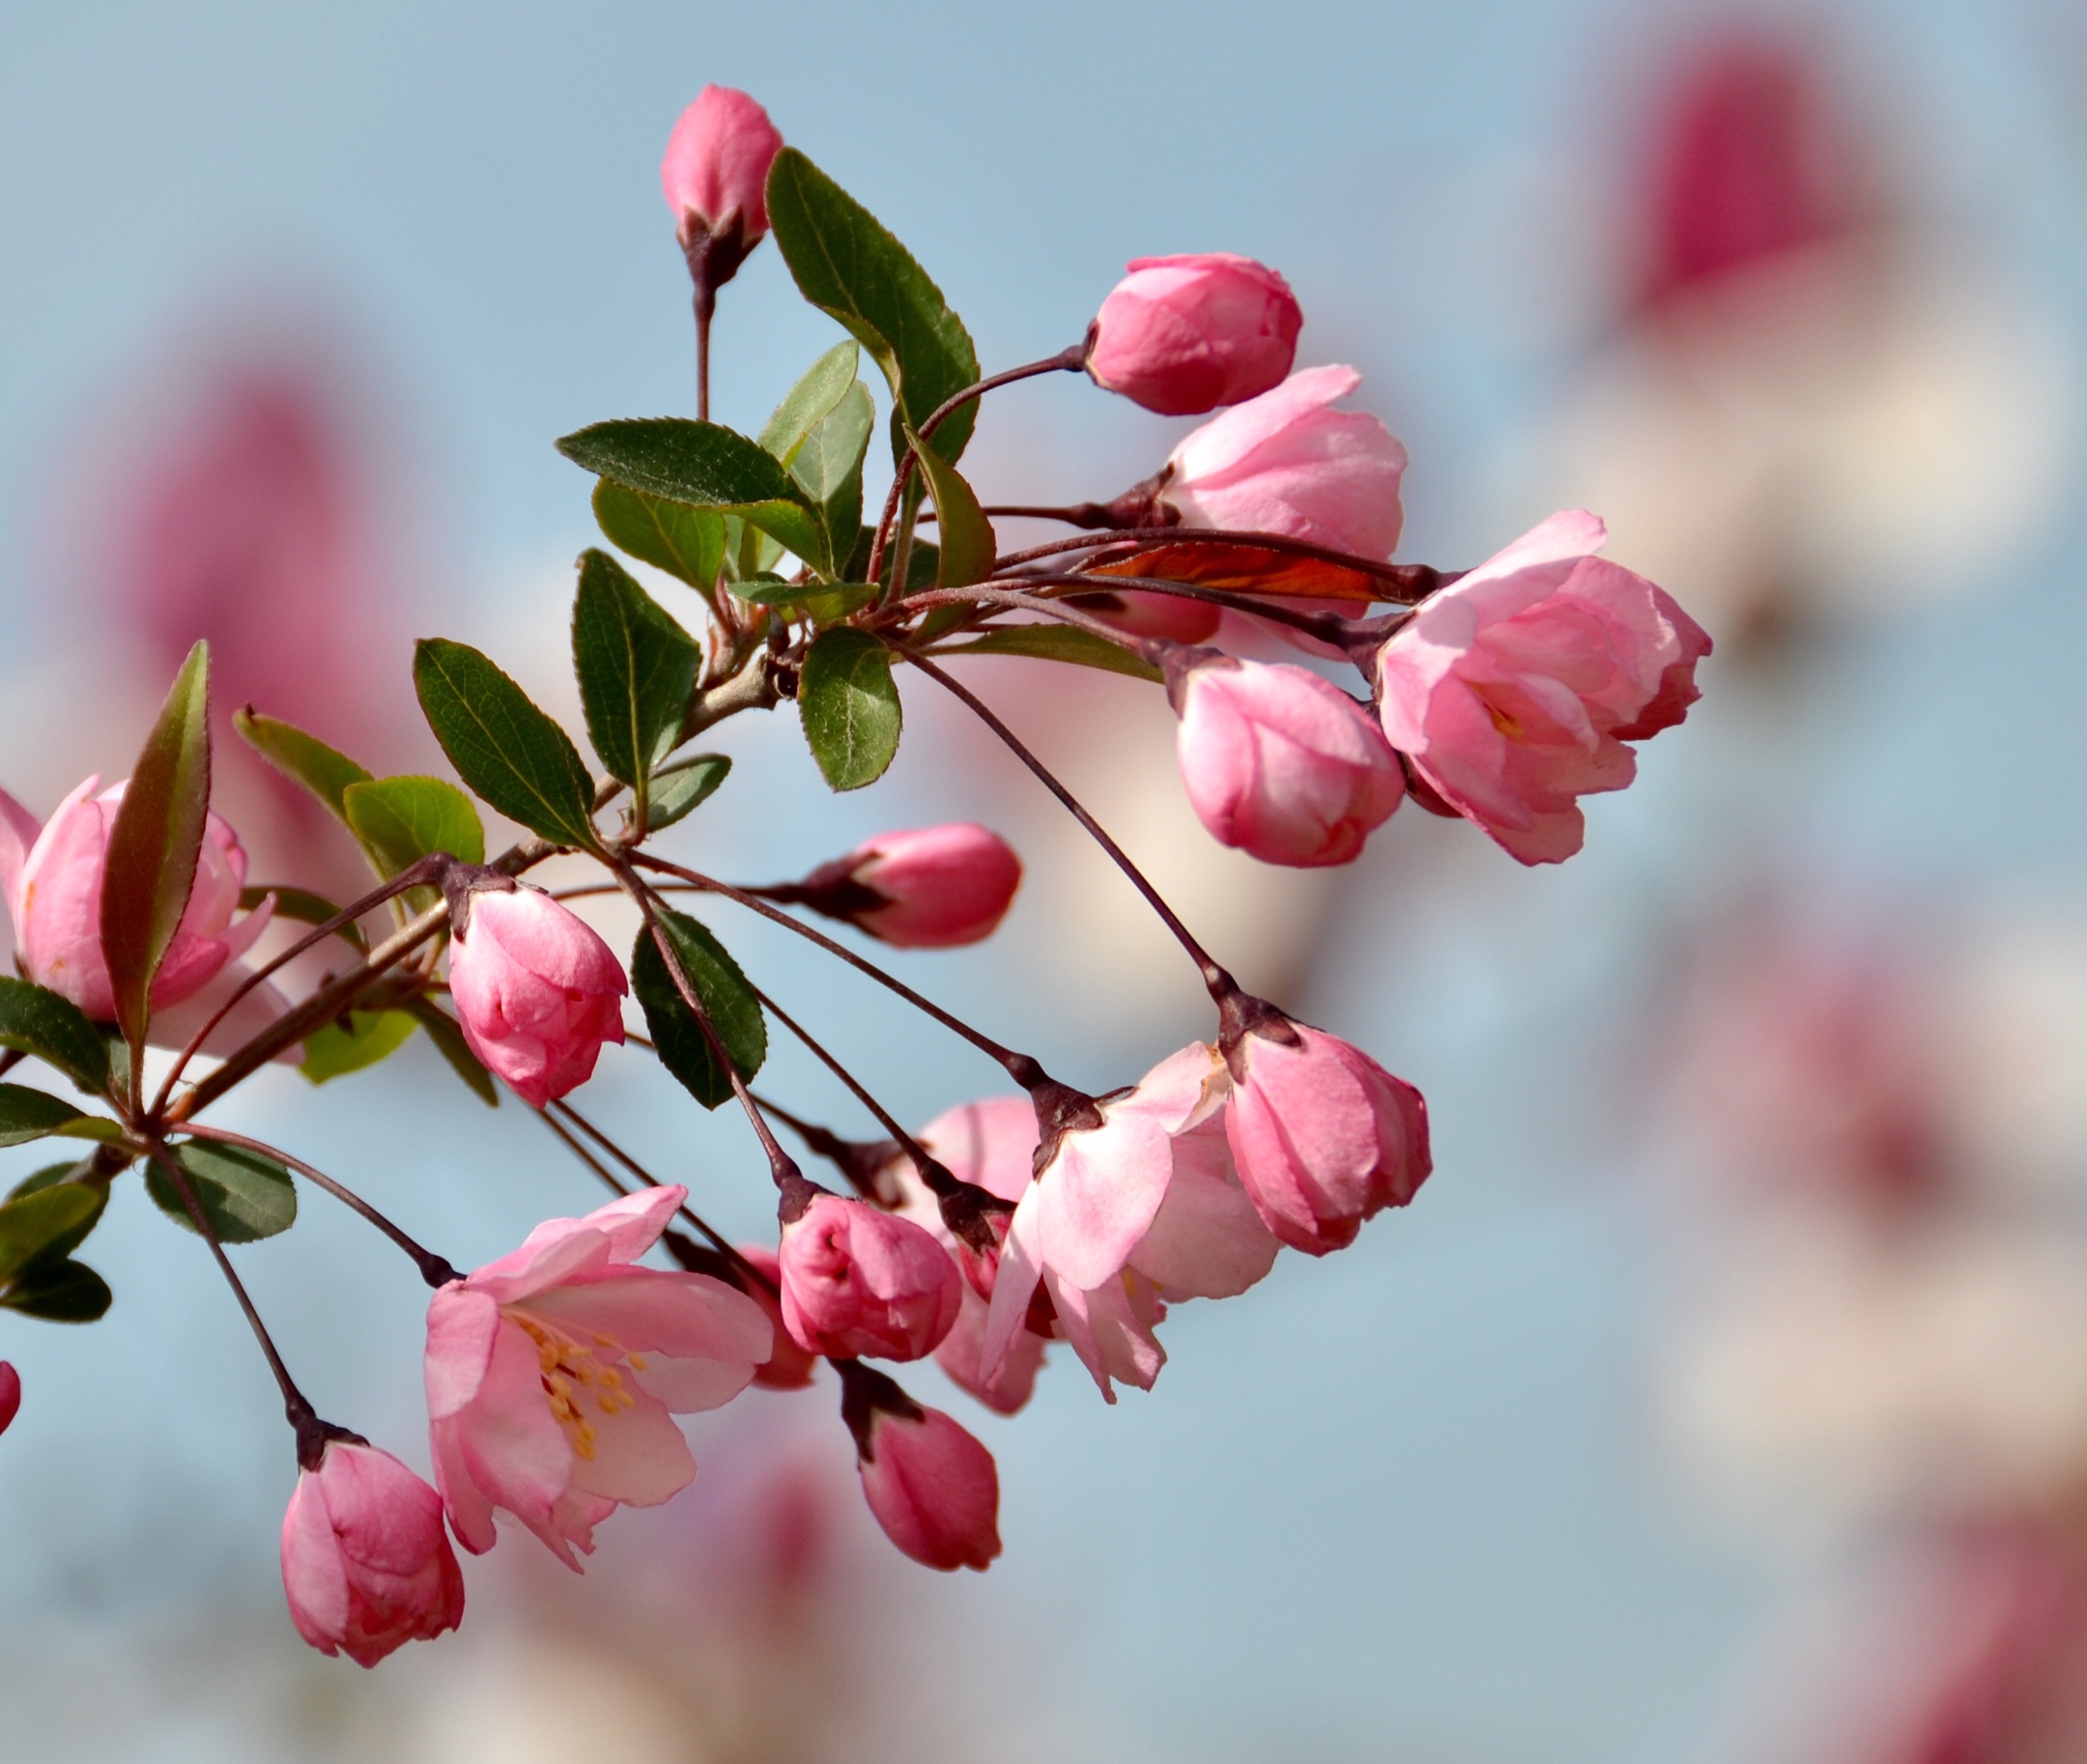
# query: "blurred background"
(1722, 1398)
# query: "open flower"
(1130, 1214)
(1513, 689)
(366, 1565)
(52, 877)
(553, 1373)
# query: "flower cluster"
(1044, 1214)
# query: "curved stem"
(1327, 627)
(982, 593)
(1215, 977)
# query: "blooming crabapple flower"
(924, 887)
(789, 1367)
(1280, 762)
(1323, 1137)
(366, 1563)
(553, 1375)
(1128, 1215)
(715, 173)
(52, 877)
(1287, 462)
(930, 1485)
(1513, 689)
(536, 991)
(857, 1281)
(1182, 335)
(9, 1394)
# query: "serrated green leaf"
(671, 536)
(849, 706)
(679, 788)
(706, 466)
(968, 549)
(825, 382)
(1058, 643)
(153, 843)
(304, 759)
(59, 1291)
(505, 748)
(441, 1029)
(727, 1000)
(36, 1020)
(333, 1051)
(402, 820)
(47, 1223)
(637, 670)
(828, 468)
(244, 1195)
(848, 265)
(27, 1114)
(820, 604)
(307, 908)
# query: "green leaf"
(727, 1000)
(502, 745)
(153, 843)
(1058, 643)
(829, 467)
(824, 385)
(59, 1292)
(404, 819)
(704, 465)
(306, 907)
(820, 604)
(26, 1114)
(36, 1020)
(849, 706)
(637, 670)
(848, 265)
(333, 1051)
(441, 1029)
(968, 549)
(679, 788)
(304, 759)
(671, 536)
(47, 1223)
(243, 1195)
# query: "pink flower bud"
(1286, 463)
(9, 1394)
(857, 1281)
(1513, 689)
(1280, 762)
(927, 887)
(1182, 335)
(52, 878)
(1323, 1137)
(790, 1367)
(536, 991)
(715, 174)
(366, 1562)
(932, 1486)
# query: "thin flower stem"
(435, 1270)
(1023, 1068)
(1215, 977)
(1327, 627)
(706, 311)
(985, 595)
(300, 1412)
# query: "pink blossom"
(1182, 335)
(553, 1373)
(366, 1563)
(52, 878)
(1142, 1210)
(536, 991)
(1282, 763)
(789, 1367)
(924, 888)
(857, 1281)
(1323, 1137)
(1513, 689)
(9, 1394)
(1287, 462)
(932, 1486)
(715, 173)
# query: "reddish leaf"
(1248, 569)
